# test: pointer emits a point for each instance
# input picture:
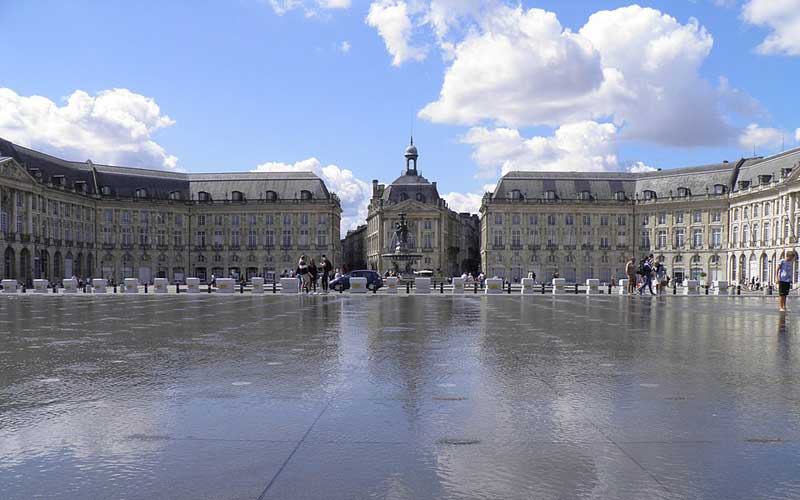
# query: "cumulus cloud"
(310, 7)
(757, 136)
(639, 167)
(797, 135)
(782, 18)
(115, 126)
(633, 66)
(352, 191)
(582, 146)
(463, 202)
(392, 20)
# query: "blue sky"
(335, 86)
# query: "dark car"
(374, 280)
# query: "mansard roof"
(773, 166)
(411, 184)
(124, 181)
(566, 185)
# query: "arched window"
(684, 192)
(141, 193)
(305, 195)
(420, 197)
(271, 196)
(203, 196)
(237, 196)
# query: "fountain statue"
(401, 258)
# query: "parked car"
(374, 280)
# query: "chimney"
(374, 188)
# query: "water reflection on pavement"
(407, 397)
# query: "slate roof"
(697, 179)
(771, 165)
(410, 184)
(124, 181)
(567, 185)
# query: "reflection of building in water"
(62, 218)
(447, 241)
(727, 220)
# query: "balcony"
(108, 246)
(552, 246)
(67, 243)
(234, 247)
(79, 244)
(126, 246)
(517, 246)
(10, 236)
(145, 246)
(200, 248)
(162, 247)
(534, 247)
(25, 238)
(498, 247)
(587, 246)
(570, 247)
(56, 243)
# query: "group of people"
(311, 274)
(641, 276)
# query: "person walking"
(630, 272)
(302, 274)
(313, 272)
(661, 278)
(784, 276)
(647, 275)
(326, 267)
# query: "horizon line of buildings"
(730, 220)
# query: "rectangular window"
(534, 220)
(252, 238)
(551, 220)
(269, 239)
(516, 238)
(498, 219)
(515, 219)
(604, 242)
(178, 219)
(622, 220)
(427, 240)
(287, 238)
(218, 238)
(716, 216)
(661, 239)
(126, 217)
(498, 238)
(19, 224)
(322, 238)
(569, 220)
(235, 238)
(177, 238)
(161, 238)
(127, 236)
(201, 238)
(108, 235)
(161, 217)
(587, 220)
(645, 243)
(18, 197)
(287, 220)
(322, 218)
(604, 220)
(201, 220)
(645, 220)
(144, 237)
(767, 233)
(680, 238)
(303, 219)
(716, 237)
(697, 216)
(217, 220)
(235, 219)
(697, 238)
(268, 219)
(251, 219)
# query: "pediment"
(10, 169)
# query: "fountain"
(401, 258)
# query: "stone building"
(447, 240)
(705, 222)
(61, 218)
(354, 254)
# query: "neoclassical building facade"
(60, 219)
(722, 221)
(446, 240)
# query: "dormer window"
(105, 190)
(651, 195)
(420, 197)
(785, 172)
(585, 196)
(141, 193)
(744, 184)
(237, 196)
(57, 180)
(80, 186)
(550, 195)
(175, 195)
(305, 195)
(620, 196)
(403, 196)
(516, 194)
(764, 179)
(684, 192)
(271, 196)
(719, 188)
(203, 196)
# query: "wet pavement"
(407, 397)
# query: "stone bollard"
(177, 288)
(441, 287)
(160, 285)
(576, 289)
(623, 287)
(40, 286)
(131, 285)
(145, 287)
(592, 286)
(241, 287)
(358, 285)
(509, 288)
(738, 289)
(458, 286)
(720, 287)
(391, 284)
(99, 285)
(225, 285)
(9, 286)
(258, 284)
(527, 286)
(494, 286)
(558, 285)
(70, 285)
(690, 287)
(289, 285)
(422, 286)
(475, 290)
(543, 288)
(192, 285)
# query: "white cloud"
(634, 66)
(797, 135)
(463, 202)
(639, 167)
(581, 146)
(353, 192)
(115, 126)
(392, 20)
(310, 7)
(757, 136)
(344, 47)
(782, 18)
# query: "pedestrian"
(302, 274)
(784, 276)
(313, 273)
(646, 270)
(661, 278)
(630, 272)
(326, 267)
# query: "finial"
(412, 139)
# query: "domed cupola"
(411, 158)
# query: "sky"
(338, 86)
